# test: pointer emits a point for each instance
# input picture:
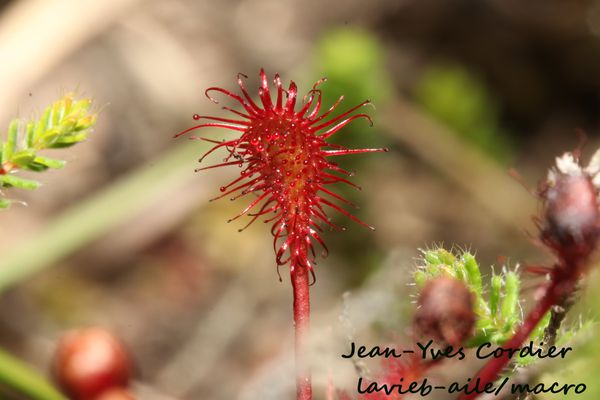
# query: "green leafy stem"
(20, 377)
(64, 123)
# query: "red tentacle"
(263, 91)
(291, 98)
(248, 208)
(346, 213)
(345, 122)
(337, 196)
(245, 92)
(277, 81)
(331, 153)
(227, 126)
(236, 112)
(341, 116)
(227, 93)
(222, 144)
(233, 121)
(326, 113)
(217, 165)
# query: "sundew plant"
(288, 163)
(280, 144)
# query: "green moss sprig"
(64, 123)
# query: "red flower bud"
(571, 218)
(445, 311)
(89, 362)
(116, 394)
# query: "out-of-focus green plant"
(63, 124)
(353, 61)
(580, 367)
(23, 379)
(353, 58)
(458, 99)
(583, 364)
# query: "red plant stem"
(489, 373)
(301, 287)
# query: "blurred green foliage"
(458, 99)
(582, 365)
(20, 377)
(353, 61)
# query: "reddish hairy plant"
(571, 223)
(396, 372)
(570, 228)
(286, 164)
(395, 377)
(445, 311)
(286, 157)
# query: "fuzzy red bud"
(571, 220)
(445, 311)
(89, 362)
(116, 394)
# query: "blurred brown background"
(124, 236)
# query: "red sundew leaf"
(283, 151)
